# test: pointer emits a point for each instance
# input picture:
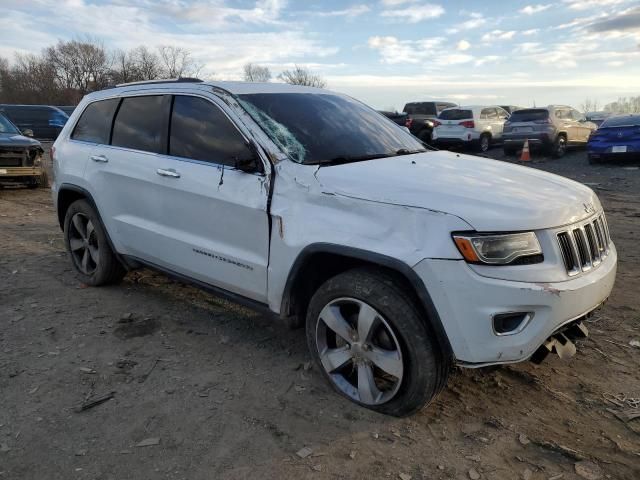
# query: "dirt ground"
(216, 391)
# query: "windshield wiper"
(348, 159)
(404, 151)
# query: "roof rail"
(166, 80)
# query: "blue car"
(617, 138)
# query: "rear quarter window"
(141, 123)
(455, 114)
(95, 122)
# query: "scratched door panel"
(213, 225)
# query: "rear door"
(583, 128)
(498, 127)
(565, 123)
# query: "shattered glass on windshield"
(280, 135)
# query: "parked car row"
(44, 121)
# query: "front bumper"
(14, 172)
(466, 303)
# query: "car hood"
(16, 140)
(490, 195)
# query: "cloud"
(140, 25)
(628, 20)
(616, 63)
(463, 45)
(531, 31)
(476, 20)
(394, 51)
(498, 35)
(533, 9)
(415, 13)
(353, 11)
(488, 59)
(588, 4)
(527, 47)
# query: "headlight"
(497, 249)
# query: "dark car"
(68, 109)
(423, 115)
(44, 121)
(401, 118)
(617, 138)
(20, 156)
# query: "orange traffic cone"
(525, 157)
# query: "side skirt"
(251, 304)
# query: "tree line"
(63, 73)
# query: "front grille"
(13, 158)
(585, 245)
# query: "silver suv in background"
(552, 128)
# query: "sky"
(383, 52)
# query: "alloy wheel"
(484, 143)
(83, 243)
(359, 351)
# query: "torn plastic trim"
(559, 329)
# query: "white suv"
(475, 125)
(400, 260)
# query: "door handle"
(99, 158)
(169, 172)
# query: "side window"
(200, 131)
(94, 124)
(484, 114)
(563, 114)
(577, 116)
(502, 113)
(141, 123)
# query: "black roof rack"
(166, 80)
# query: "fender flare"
(424, 298)
(89, 198)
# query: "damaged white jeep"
(400, 260)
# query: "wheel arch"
(318, 262)
(69, 193)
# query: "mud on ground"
(215, 391)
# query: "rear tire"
(398, 324)
(559, 147)
(484, 143)
(425, 135)
(86, 241)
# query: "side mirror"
(27, 132)
(248, 165)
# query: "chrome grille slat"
(584, 246)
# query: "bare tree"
(177, 62)
(302, 76)
(624, 105)
(590, 105)
(256, 73)
(147, 63)
(79, 65)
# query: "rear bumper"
(12, 172)
(535, 140)
(465, 138)
(468, 302)
(605, 151)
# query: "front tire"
(86, 241)
(370, 341)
